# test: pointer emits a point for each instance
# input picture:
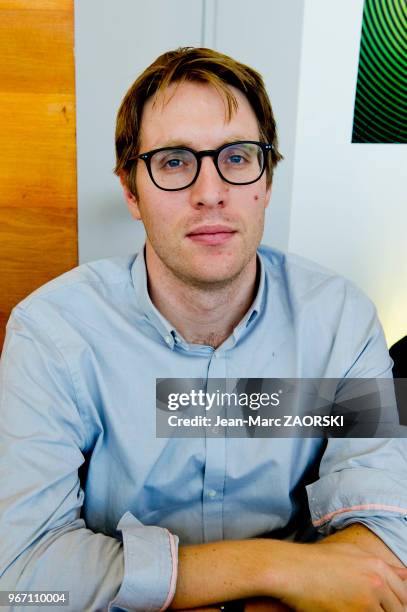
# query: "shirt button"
(211, 493)
(168, 339)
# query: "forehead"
(195, 114)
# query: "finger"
(391, 602)
(400, 571)
(396, 584)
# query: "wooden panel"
(41, 5)
(35, 46)
(35, 247)
(37, 142)
(38, 218)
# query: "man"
(196, 522)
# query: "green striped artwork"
(381, 91)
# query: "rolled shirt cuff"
(150, 567)
(358, 491)
(370, 497)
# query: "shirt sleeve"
(363, 480)
(44, 542)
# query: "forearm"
(368, 541)
(88, 566)
(225, 571)
(342, 568)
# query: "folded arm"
(348, 569)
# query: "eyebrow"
(186, 143)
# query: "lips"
(211, 235)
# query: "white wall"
(349, 205)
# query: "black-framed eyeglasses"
(238, 163)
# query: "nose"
(209, 189)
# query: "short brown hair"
(192, 64)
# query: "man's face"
(179, 224)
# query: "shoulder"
(98, 275)
(85, 288)
(336, 326)
(306, 283)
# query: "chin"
(211, 279)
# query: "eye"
(236, 159)
(173, 163)
(237, 155)
(170, 160)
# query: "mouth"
(211, 235)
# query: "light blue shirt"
(78, 381)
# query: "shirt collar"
(256, 306)
(167, 331)
(139, 277)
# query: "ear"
(268, 195)
(130, 198)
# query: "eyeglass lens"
(238, 163)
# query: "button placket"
(214, 479)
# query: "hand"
(338, 576)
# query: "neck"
(202, 314)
